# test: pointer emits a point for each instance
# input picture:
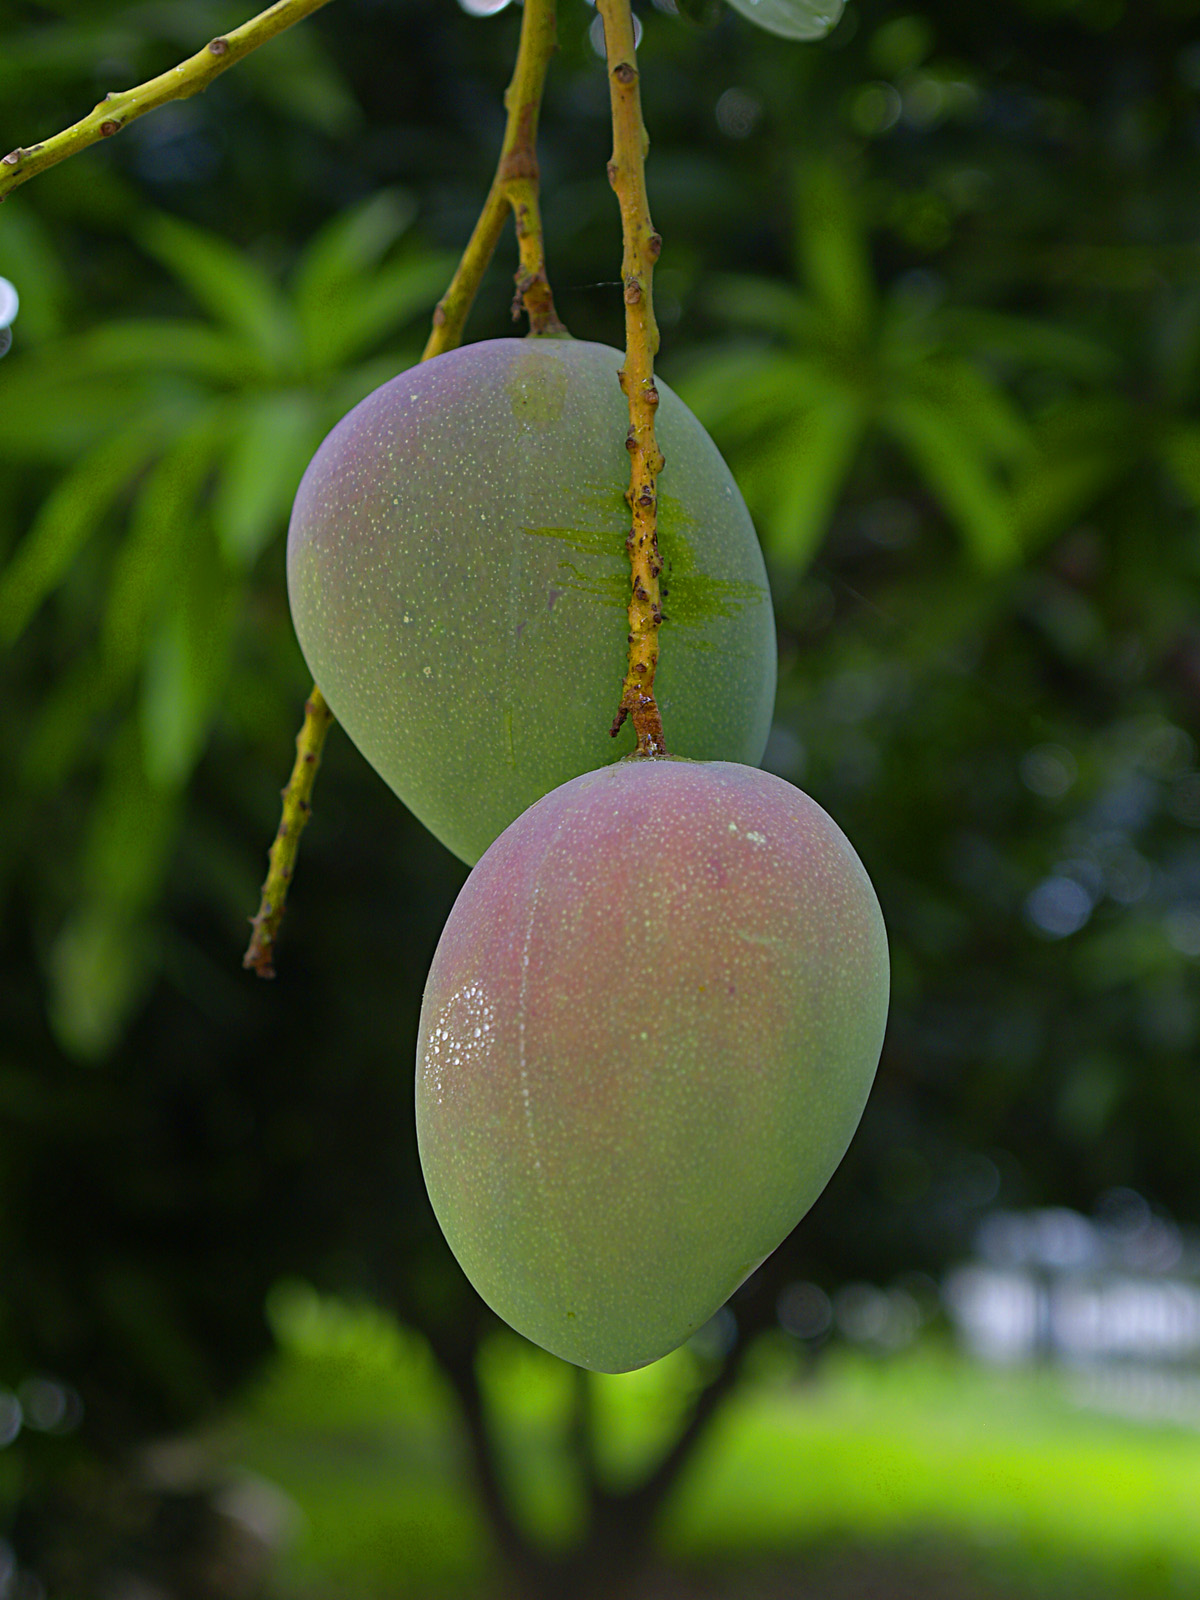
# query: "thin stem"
(515, 189)
(119, 109)
(627, 174)
(282, 857)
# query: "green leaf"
(187, 663)
(765, 305)
(361, 313)
(1083, 449)
(99, 968)
(832, 249)
(980, 406)
(1180, 452)
(227, 283)
(792, 19)
(103, 957)
(1057, 489)
(163, 520)
(57, 406)
(955, 468)
(1026, 342)
(346, 248)
(172, 345)
(71, 718)
(272, 441)
(68, 517)
(746, 388)
(815, 456)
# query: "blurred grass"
(916, 1451)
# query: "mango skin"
(647, 1037)
(458, 582)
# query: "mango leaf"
(187, 663)
(103, 957)
(1026, 342)
(958, 472)
(979, 406)
(792, 19)
(71, 718)
(362, 313)
(817, 451)
(273, 438)
(1180, 452)
(347, 247)
(744, 388)
(831, 249)
(99, 968)
(765, 305)
(227, 283)
(162, 522)
(1057, 490)
(72, 512)
(57, 406)
(173, 344)
(1083, 449)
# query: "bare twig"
(627, 174)
(122, 107)
(282, 857)
(515, 189)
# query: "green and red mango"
(647, 1037)
(458, 581)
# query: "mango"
(458, 582)
(647, 1037)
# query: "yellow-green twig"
(515, 189)
(627, 174)
(282, 858)
(119, 109)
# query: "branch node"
(219, 47)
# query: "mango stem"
(514, 188)
(121, 107)
(627, 174)
(310, 741)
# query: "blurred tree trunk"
(611, 1559)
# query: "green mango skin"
(459, 582)
(647, 1037)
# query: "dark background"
(970, 231)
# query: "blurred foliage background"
(933, 286)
